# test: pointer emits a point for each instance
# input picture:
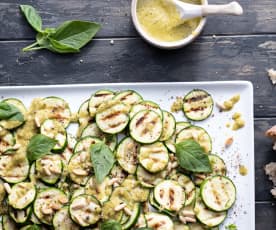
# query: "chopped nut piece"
(119, 207)
(182, 219)
(272, 75)
(127, 211)
(7, 188)
(190, 219)
(80, 172)
(229, 141)
(272, 134)
(47, 211)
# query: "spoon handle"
(233, 8)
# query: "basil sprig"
(192, 157)
(102, 160)
(39, 146)
(69, 37)
(10, 112)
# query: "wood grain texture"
(130, 60)
(259, 17)
(265, 216)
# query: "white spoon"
(188, 11)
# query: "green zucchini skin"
(198, 105)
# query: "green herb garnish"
(39, 146)
(69, 37)
(192, 157)
(102, 160)
(231, 227)
(10, 112)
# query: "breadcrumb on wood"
(272, 75)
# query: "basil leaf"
(75, 34)
(111, 225)
(192, 157)
(102, 160)
(32, 17)
(39, 146)
(10, 112)
(58, 47)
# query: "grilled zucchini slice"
(85, 210)
(180, 226)
(112, 117)
(53, 129)
(84, 144)
(14, 168)
(198, 105)
(218, 193)
(154, 158)
(197, 134)
(128, 97)
(206, 216)
(21, 195)
(63, 221)
(83, 113)
(169, 195)
(47, 203)
(133, 217)
(159, 221)
(149, 180)
(178, 127)
(7, 141)
(94, 131)
(49, 168)
(188, 186)
(17, 120)
(97, 99)
(168, 126)
(127, 154)
(145, 105)
(146, 127)
(53, 108)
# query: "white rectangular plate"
(241, 152)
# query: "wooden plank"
(263, 155)
(259, 17)
(265, 215)
(130, 60)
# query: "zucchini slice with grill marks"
(20, 216)
(94, 131)
(145, 105)
(101, 191)
(53, 129)
(7, 141)
(198, 134)
(207, 216)
(149, 180)
(49, 168)
(178, 127)
(112, 117)
(14, 168)
(198, 105)
(218, 168)
(154, 158)
(85, 210)
(53, 108)
(218, 193)
(146, 127)
(127, 153)
(97, 99)
(170, 195)
(63, 221)
(187, 184)
(83, 113)
(47, 203)
(14, 122)
(159, 221)
(21, 195)
(84, 144)
(168, 126)
(68, 151)
(135, 212)
(128, 97)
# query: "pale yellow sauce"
(238, 121)
(229, 104)
(243, 170)
(161, 20)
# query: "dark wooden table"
(243, 48)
